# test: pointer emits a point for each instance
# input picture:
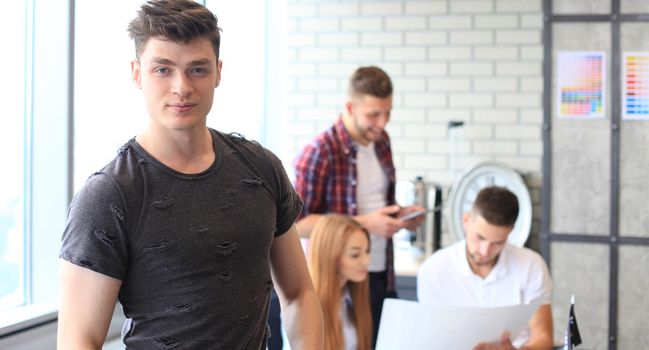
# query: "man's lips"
(181, 107)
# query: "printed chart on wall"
(635, 86)
(581, 82)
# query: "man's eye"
(199, 70)
(162, 70)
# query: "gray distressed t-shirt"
(192, 251)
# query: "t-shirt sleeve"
(289, 204)
(95, 236)
(540, 283)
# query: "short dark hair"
(176, 20)
(370, 80)
(497, 205)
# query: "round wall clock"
(471, 181)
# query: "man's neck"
(482, 270)
(187, 151)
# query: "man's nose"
(181, 85)
(382, 121)
(485, 249)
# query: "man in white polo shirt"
(485, 271)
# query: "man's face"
(370, 115)
(484, 241)
(178, 82)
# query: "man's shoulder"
(327, 138)
(524, 254)
(525, 262)
(439, 275)
(443, 258)
(251, 150)
(123, 166)
(327, 142)
(117, 177)
(237, 141)
(448, 252)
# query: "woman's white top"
(347, 319)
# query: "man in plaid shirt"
(348, 169)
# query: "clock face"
(466, 188)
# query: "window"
(240, 100)
(108, 108)
(34, 191)
(12, 137)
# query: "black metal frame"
(613, 239)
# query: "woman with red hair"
(338, 258)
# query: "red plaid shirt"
(326, 178)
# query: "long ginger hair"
(326, 246)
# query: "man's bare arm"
(86, 307)
(541, 336)
(305, 225)
(381, 222)
(300, 306)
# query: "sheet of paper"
(414, 326)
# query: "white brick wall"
(479, 61)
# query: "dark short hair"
(497, 205)
(180, 21)
(371, 81)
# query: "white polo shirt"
(519, 276)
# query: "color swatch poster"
(581, 79)
(635, 86)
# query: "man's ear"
(219, 67)
(349, 106)
(136, 73)
(465, 223)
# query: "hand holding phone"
(412, 215)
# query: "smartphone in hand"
(412, 215)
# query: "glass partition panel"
(634, 134)
(634, 6)
(581, 146)
(583, 270)
(633, 303)
(590, 7)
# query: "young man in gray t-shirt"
(187, 227)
